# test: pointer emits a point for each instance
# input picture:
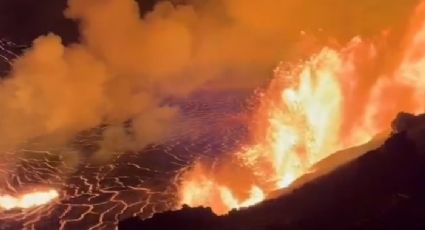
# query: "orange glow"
(335, 100)
(28, 200)
(202, 190)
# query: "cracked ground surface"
(97, 196)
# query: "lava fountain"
(28, 200)
(337, 99)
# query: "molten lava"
(335, 100)
(28, 200)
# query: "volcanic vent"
(337, 99)
(383, 189)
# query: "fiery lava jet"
(28, 200)
(337, 99)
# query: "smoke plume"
(126, 64)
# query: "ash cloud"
(126, 63)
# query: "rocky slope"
(382, 189)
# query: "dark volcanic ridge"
(382, 189)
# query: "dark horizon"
(22, 21)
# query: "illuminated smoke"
(126, 64)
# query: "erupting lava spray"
(337, 99)
(28, 200)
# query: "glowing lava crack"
(92, 196)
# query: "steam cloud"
(127, 63)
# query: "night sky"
(24, 20)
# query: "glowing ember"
(201, 189)
(28, 200)
(335, 100)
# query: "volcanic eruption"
(337, 99)
(176, 103)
